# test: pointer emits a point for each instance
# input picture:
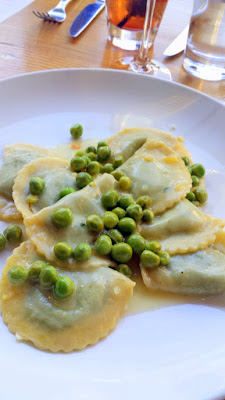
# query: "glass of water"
(205, 51)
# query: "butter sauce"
(144, 299)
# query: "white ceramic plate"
(175, 353)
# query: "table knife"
(85, 17)
(178, 45)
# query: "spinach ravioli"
(199, 273)
(57, 176)
(128, 141)
(183, 229)
(157, 171)
(15, 157)
(35, 315)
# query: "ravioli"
(14, 158)
(157, 171)
(56, 175)
(8, 211)
(44, 235)
(200, 273)
(93, 310)
(128, 141)
(183, 229)
(69, 149)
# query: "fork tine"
(42, 15)
(36, 13)
(45, 17)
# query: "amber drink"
(126, 19)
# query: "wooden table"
(29, 44)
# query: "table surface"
(28, 44)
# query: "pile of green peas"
(45, 275)
(197, 195)
(12, 234)
(93, 161)
(119, 224)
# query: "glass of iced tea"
(125, 20)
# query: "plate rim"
(116, 71)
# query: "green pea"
(196, 203)
(134, 211)
(126, 225)
(64, 288)
(17, 275)
(80, 153)
(103, 245)
(87, 160)
(13, 233)
(195, 181)
(144, 202)
(189, 169)
(186, 160)
(91, 149)
(124, 183)
(109, 199)
(118, 161)
(64, 192)
(94, 223)
(76, 131)
(148, 216)
(201, 195)
(102, 143)
(125, 201)
(121, 252)
(2, 241)
(92, 156)
(107, 168)
(48, 276)
(63, 250)
(149, 259)
(137, 243)
(62, 217)
(153, 246)
(164, 257)
(36, 185)
(117, 174)
(110, 219)
(120, 212)
(31, 199)
(103, 153)
(115, 235)
(198, 170)
(82, 252)
(78, 163)
(93, 168)
(83, 179)
(191, 196)
(124, 269)
(35, 269)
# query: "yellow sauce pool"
(144, 299)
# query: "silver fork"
(57, 14)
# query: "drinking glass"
(125, 20)
(141, 63)
(205, 51)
